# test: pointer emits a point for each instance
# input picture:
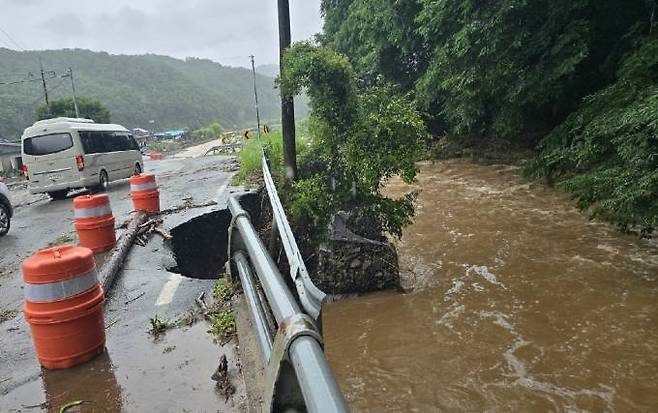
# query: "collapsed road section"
(199, 246)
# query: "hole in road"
(199, 245)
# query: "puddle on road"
(199, 245)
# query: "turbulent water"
(519, 303)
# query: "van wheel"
(138, 169)
(58, 195)
(5, 221)
(103, 181)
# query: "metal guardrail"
(298, 377)
(310, 296)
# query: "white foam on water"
(451, 316)
(483, 271)
(520, 370)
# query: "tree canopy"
(576, 76)
(89, 108)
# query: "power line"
(12, 39)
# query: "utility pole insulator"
(287, 103)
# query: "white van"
(67, 153)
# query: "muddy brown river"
(517, 303)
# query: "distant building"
(10, 157)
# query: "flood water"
(519, 303)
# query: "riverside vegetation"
(575, 80)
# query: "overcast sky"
(226, 31)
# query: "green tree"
(360, 139)
(606, 153)
(90, 108)
(213, 130)
(379, 36)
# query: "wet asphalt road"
(136, 373)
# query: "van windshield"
(47, 144)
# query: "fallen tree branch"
(165, 234)
(113, 265)
(185, 206)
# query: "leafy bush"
(606, 153)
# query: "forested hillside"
(578, 78)
(172, 92)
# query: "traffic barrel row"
(63, 297)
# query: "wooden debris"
(220, 375)
(114, 263)
(185, 206)
(142, 294)
(165, 234)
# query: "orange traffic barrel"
(94, 222)
(144, 192)
(156, 156)
(64, 306)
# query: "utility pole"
(69, 73)
(287, 103)
(253, 72)
(45, 89)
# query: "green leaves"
(606, 153)
(361, 137)
(90, 108)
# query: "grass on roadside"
(219, 314)
(159, 326)
(222, 324)
(250, 155)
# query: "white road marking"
(168, 290)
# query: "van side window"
(133, 145)
(47, 144)
(93, 142)
(101, 142)
(88, 143)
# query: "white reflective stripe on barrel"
(98, 211)
(60, 290)
(143, 187)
